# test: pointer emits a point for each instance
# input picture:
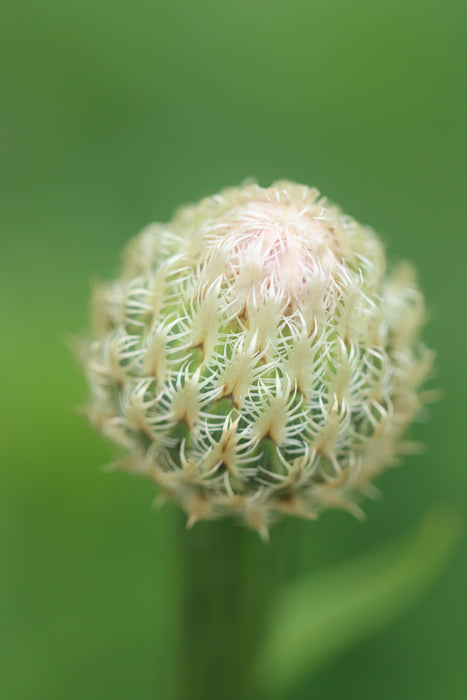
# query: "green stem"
(228, 578)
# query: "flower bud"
(255, 359)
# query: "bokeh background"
(115, 112)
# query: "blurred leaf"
(326, 612)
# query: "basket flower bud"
(254, 358)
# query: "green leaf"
(327, 612)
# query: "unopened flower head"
(255, 359)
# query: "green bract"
(254, 359)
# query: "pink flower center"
(279, 247)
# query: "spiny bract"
(254, 359)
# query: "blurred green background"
(113, 113)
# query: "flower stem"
(228, 578)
